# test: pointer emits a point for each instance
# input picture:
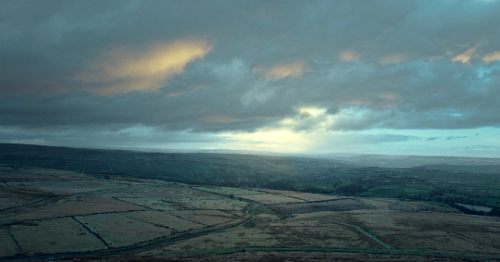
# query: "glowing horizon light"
(272, 139)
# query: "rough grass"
(166, 220)
(55, 236)
(118, 230)
(206, 217)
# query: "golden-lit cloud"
(465, 56)
(495, 56)
(282, 70)
(349, 56)
(123, 70)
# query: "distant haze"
(305, 77)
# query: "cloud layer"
(234, 68)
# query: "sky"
(417, 77)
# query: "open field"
(166, 220)
(209, 203)
(303, 196)
(118, 230)
(436, 232)
(153, 191)
(271, 199)
(11, 196)
(335, 205)
(227, 190)
(71, 187)
(152, 203)
(68, 207)
(55, 236)
(205, 217)
(237, 237)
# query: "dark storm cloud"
(384, 64)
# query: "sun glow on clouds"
(278, 140)
(465, 56)
(495, 56)
(349, 56)
(287, 135)
(123, 70)
(282, 70)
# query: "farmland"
(107, 216)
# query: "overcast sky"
(387, 77)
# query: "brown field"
(209, 203)
(22, 193)
(14, 196)
(55, 236)
(271, 199)
(206, 217)
(166, 220)
(72, 207)
(118, 230)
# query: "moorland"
(86, 204)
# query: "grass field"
(118, 230)
(71, 207)
(55, 236)
(271, 199)
(166, 220)
(227, 190)
(205, 217)
(153, 203)
(210, 203)
(303, 196)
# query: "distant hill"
(392, 161)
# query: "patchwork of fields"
(42, 214)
